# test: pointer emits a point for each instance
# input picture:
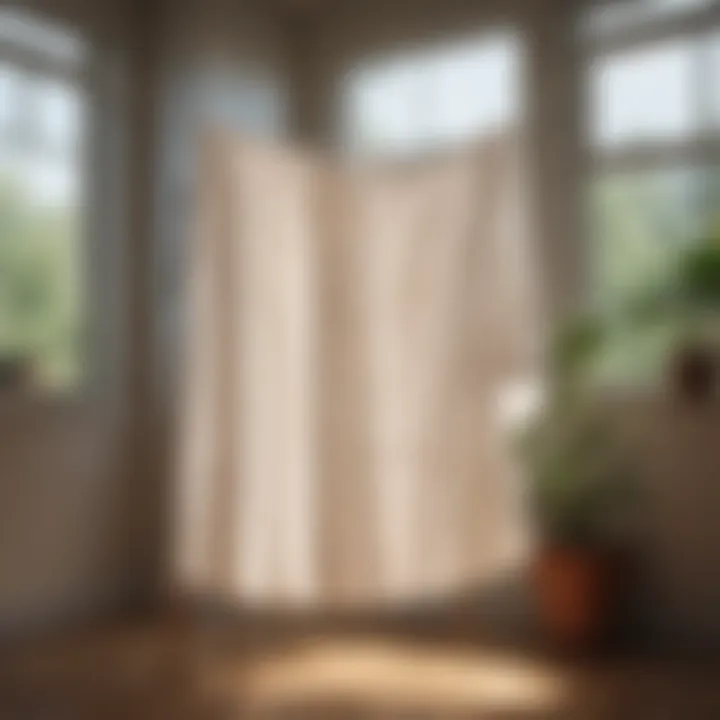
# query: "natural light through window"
(42, 126)
(654, 145)
(645, 95)
(422, 99)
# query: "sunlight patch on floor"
(398, 675)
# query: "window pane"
(474, 89)
(422, 99)
(41, 168)
(711, 77)
(60, 124)
(386, 109)
(645, 95)
(639, 223)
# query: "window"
(654, 152)
(427, 98)
(42, 124)
(645, 95)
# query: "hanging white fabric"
(352, 335)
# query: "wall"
(678, 461)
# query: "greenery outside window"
(653, 155)
(42, 173)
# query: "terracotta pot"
(577, 591)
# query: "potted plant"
(581, 486)
(582, 481)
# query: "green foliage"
(659, 288)
(698, 276)
(687, 299)
(581, 475)
(655, 266)
(582, 478)
(576, 347)
(40, 286)
(642, 224)
(583, 481)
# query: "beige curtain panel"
(358, 338)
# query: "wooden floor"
(170, 671)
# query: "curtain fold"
(354, 334)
